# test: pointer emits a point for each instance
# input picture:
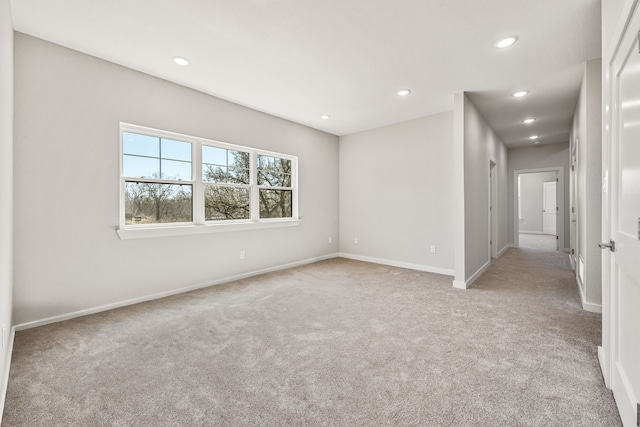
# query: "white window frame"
(199, 225)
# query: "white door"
(623, 284)
(549, 209)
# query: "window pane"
(151, 203)
(140, 167)
(238, 175)
(212, 173)
(214, 155)
(141, 145)
(275, 204)
(176, 150)
(172, 169)
(239, 159)
(224, 203)
(274, 172)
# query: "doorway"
(493, 190)
(539, 209)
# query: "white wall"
(531, 192)
(586, 135)
(68, 256)
(6, 190)
(475, 146)
(396, 194)
(539, 157)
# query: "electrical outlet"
(355, 240)
(433, 249)
(241, 254)
(330, 240)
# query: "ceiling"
(300, 59)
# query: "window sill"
(183, 230)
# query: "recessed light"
(325, 117)
(534, 137)
(528, 121)
(403, 92)
(505, 42)
(536, 143)
(520, 94)
(180, 61)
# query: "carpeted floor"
(336, 343)
(545, 242)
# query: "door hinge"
(638, 415)
(557, 180)
(573, 251)
(557, 238)
(557, 208)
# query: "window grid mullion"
(157, 181)
(253, 193)
(198, 199)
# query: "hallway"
(549, 332)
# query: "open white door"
(549, 208)
(621, 288)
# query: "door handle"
(611, 245)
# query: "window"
(157, 180)
(274, 187)
(170, 180)
(227, 183)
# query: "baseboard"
(592, 308)
(478, 273)
(467, 284)
(4, 381)
(401, 264)
(604, 367)
(532, 232)
(459, 285)
(625, 398)
(587, 306)
(503, 250)
(580, 291)
(106, 307)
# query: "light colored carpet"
(543, 242)
(336, 343)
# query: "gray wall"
(6, 189)
(396, 194)
(68, 255)
(475, 146)
(539, 157)
(586, 135)
(532, 201)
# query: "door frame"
(609, 351)
(493, 201)
(560, 196)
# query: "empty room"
(270, 213)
